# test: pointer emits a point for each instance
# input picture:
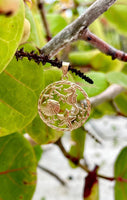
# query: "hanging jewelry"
(58, 107)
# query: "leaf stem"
(71, 158)
(52, 174)
(78, 163)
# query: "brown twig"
(103, 46)
(106, 177)
(44, 20)
(68, 156)
(52, 174)
(78, 163)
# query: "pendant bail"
(65, 66)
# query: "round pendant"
(58, 107)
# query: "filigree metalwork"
(58, 106)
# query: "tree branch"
(109, 94)
(71, 32)
(103, 46)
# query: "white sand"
(113, 134)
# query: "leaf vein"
(12, 108)
(6, 72)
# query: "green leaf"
(20, 87)
(33, 31)
(28, 72)
(82, 57)
(17, 104)
(42, 133)
(100, 84)
(104, 63)
(112, 37)
(117, 16)
(96, 59)
(56, 23)
(78, 141)
(53, 74)
(120, 172)
(124, 70)
(105, 108)
(38, 151)
(97, 28)
(10, 35)
(118, 78)
(39, 24)
(37, 33)
(121, 102)
(17, 168)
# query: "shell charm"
(58, 107)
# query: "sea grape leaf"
(78, 141)
(38, 151)
(121, 102)
(91, 188)
(117, 77)
(96, 59)
(56, 23)
(17, 104)
(105, 63)
(20, 86)
(97, 28)
(124, 70)
(112, 36)
(37, 35)
(28, 72)
(10, 35)
(117, 17)
(120, 172)
(42, 133)
(100, 84)
(82, 57)
(105, 108)
(17, 168)
(39, 24)
(53, 74)
(33, 31)
(123, 2)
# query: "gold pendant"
(58, 107)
